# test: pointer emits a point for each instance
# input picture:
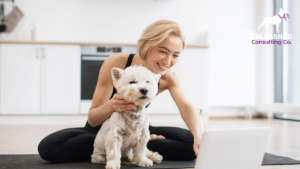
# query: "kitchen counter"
(86, 43)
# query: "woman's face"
(163, 56)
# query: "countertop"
(86, 43)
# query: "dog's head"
(136, 84)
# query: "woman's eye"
(132, 82)
(147, 81)
(176, 55)
(163, 52)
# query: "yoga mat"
(271, 159)
(34, 161)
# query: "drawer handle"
(44, 54)
(37, 52)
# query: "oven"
(92, 58)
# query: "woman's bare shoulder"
(104, 86)
(170, 78)
(167, 79)
(117, 60)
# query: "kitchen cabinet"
(193, 74)
(39, 79)
(192, 69)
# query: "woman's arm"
(102, 107)
(187, 111)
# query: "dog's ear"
(157, 76)
(116, 74)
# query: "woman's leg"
(71, 144)
(177, 145)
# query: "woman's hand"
(197, 142)
(118, 103)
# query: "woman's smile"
(162, 67)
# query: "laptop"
(232, 148)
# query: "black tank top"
(115, 90)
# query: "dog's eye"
(147, 81)
(132, 82)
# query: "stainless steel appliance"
(92, 58)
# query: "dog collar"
(285, 16)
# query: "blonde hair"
(156, 33)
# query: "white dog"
(124, 135)
(275, 20)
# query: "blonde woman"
(158, 50)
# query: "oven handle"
(98, 58)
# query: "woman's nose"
(168, 60)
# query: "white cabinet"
(193, 73)
(39, 79)
(20, 79)
(192, 69)
(60, 79)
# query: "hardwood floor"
(284, 139)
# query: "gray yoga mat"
(34, 161)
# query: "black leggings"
(76, 144)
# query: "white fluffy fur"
(124, 135)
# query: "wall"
(124, 20)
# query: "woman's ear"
(157, 77)
(116, 74)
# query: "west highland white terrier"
(123, 137)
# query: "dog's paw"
(98, 159)
(155, 157)
(145, 162)
(113, 164)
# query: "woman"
(158, 50)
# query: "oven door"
(90, 67)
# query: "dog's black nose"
(144, 91)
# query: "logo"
(274, 20)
